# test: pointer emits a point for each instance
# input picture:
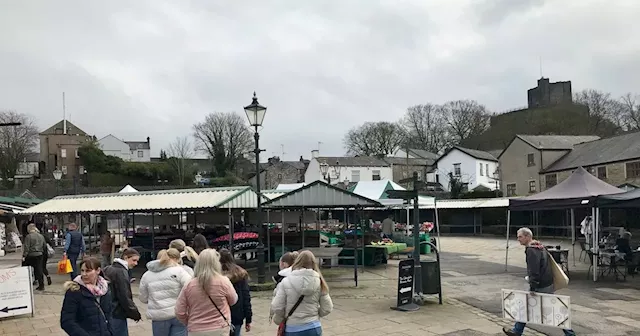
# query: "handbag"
(50, 251)
(283, 324)
(560, 279)
(231, 326)
(64, 266)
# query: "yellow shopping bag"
(64, 266)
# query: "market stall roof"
(273, 193)
(289, 186)
(148, 201)
(578, 191)
(476, 203)
(319, 194)
(128, 189)
(629, 199)
(376, 190)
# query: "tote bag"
(64, 266)
(560, 280)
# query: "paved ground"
(473, 276)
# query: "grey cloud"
(154, 68)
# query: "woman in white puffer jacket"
(160, 287)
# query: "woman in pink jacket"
(204, 303)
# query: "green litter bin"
(425, 248)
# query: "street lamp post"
(57, 175)
(255, 113)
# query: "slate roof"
(412, 162)
(556, 141)
(71, 129)
(354, 161)
(619, 148)
(423, 154)
(135, 145)
(32, 157)
(478, 154)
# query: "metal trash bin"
(430, 270)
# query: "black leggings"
(45, 258)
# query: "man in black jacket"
(123, 305)
(539, 274)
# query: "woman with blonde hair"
(204, 305)
(160, 287)
(302, 298)
(187, 253)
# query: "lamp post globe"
(57, 174)
(255, 114)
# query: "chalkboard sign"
(405, 285)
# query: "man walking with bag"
(539, 274)
(74, 247)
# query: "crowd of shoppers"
(188, 290)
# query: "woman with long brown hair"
(241, 311)
(302, 298)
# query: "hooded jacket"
(241, 311)
(123, 305)
(314, 305)
(538, 268)
(85, 312)
(160, 287)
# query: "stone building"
(275, 172)
(548, 94)
(59, 146)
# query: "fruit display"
(384, 241)
(237, 236)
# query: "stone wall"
(616, 174)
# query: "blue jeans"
(236, 331)
(73, 259)
(120, 327)
(518, 328)
(171, 327)
(309, 332)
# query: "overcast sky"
(154, 68)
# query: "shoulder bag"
(231, 326)
(283, 324)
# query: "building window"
(279, 176)
(77, 154)
(375, 175)
(511, 189)
(532, 186)
(140, 154)
(530, 160)
(456, 169)
(481, 169)
(355, 176)
(419, 175)
(64, 170)
(81, 170)
(602, 172)
(633, 169)
(63, 153)
(486, 166)
(551, 180)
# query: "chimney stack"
(149, 142)
(315, 153)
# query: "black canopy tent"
(580, 190)
(630, 199)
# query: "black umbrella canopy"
(630, 199)
(578, 191)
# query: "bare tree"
(426, 127)
(225, 137)
(180, 151)
(15, 143)
(465, 119)
(374, 138)
(631, 111)
(603, 110)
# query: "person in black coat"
(123, 305)
(241, 312)
(87, 306)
